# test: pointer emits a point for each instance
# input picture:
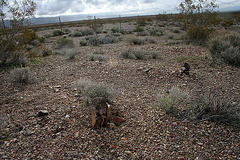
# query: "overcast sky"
(139, 7)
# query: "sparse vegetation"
(64, 43)
(226, 48)
(22, 76)
(96, 57)
(173, 100)
(213, 107)
(91, 90)
(136, 41)
(57, 33)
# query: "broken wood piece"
(100, 112)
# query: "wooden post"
(120, 22)
(60, 23)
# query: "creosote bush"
(198, 34)
(22, 76)
(91, 90)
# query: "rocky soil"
(147, 132)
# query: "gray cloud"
(63, 7)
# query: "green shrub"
(93, 40)
(22, 76)
(198, 34)
(41, 39)
(138, 29)
(91, 90)
(57, 33)
(83, 42)
(64, 43)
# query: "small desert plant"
(136, 41)
(156, 55)
(226, 49)
(213, 107)
(109, 39)
(144, 33)
(156, 32)
(57, 33)
(93, 40)
(139, 53)
(83, 43)
(72, 54)
(91, 90)
(175, 30)
(76, 34)
(98, 52)
(170, 36)
(127, 54)
(150, 40)
(41, 39)
(171, 102)
(87, 32)
(95, 57)
(64, 43)
(139, 29)
(22, 76)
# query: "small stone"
(110, 125)
(128, 152)
(117, 120)
(123, 138)
(76, 135)
(42, 113)
(181, 158)
(67, 116)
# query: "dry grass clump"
(136, 41)
(173, 100)
(96, 57)
(90, 90)
(70, 53)
(22, 76)
(150, 40)
(213, 107)
(140, 54)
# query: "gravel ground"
(146, 133)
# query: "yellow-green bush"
(198, 34)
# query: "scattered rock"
(118, 120)
(110, 125)
(42, 113)
(181, 158)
